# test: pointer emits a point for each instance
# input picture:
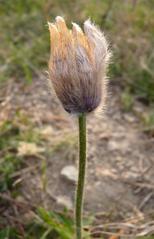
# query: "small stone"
(29, 216)
(20, 199)
(138, 108)
(131, 176)
(47, 132)
(70, 173)
(120, 144)
(130, 118)
(65, 202)
(113, 145)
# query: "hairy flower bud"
(77, 66)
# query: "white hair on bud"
(97, 38)
(60, 19)
(52, 26)
(76, 28)
(77, 65)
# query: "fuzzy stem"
(81, 174)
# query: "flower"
(77, 65)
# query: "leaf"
(62, 225)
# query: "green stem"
(81, 174)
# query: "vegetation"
(24, 54)
(129, 26)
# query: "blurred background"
(38, 140)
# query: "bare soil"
(120, 171)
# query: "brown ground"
(120, 172)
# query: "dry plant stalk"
(77, 70)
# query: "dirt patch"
(120, 171)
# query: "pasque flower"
(77, 66)
(77, 69)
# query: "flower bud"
(77, 65)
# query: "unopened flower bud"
(77, 66)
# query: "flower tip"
(60, 19)
(76, 27)
(88, 22)
(52, 26)
(49, 24)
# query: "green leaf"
(58, 222)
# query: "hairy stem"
(81, 174)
